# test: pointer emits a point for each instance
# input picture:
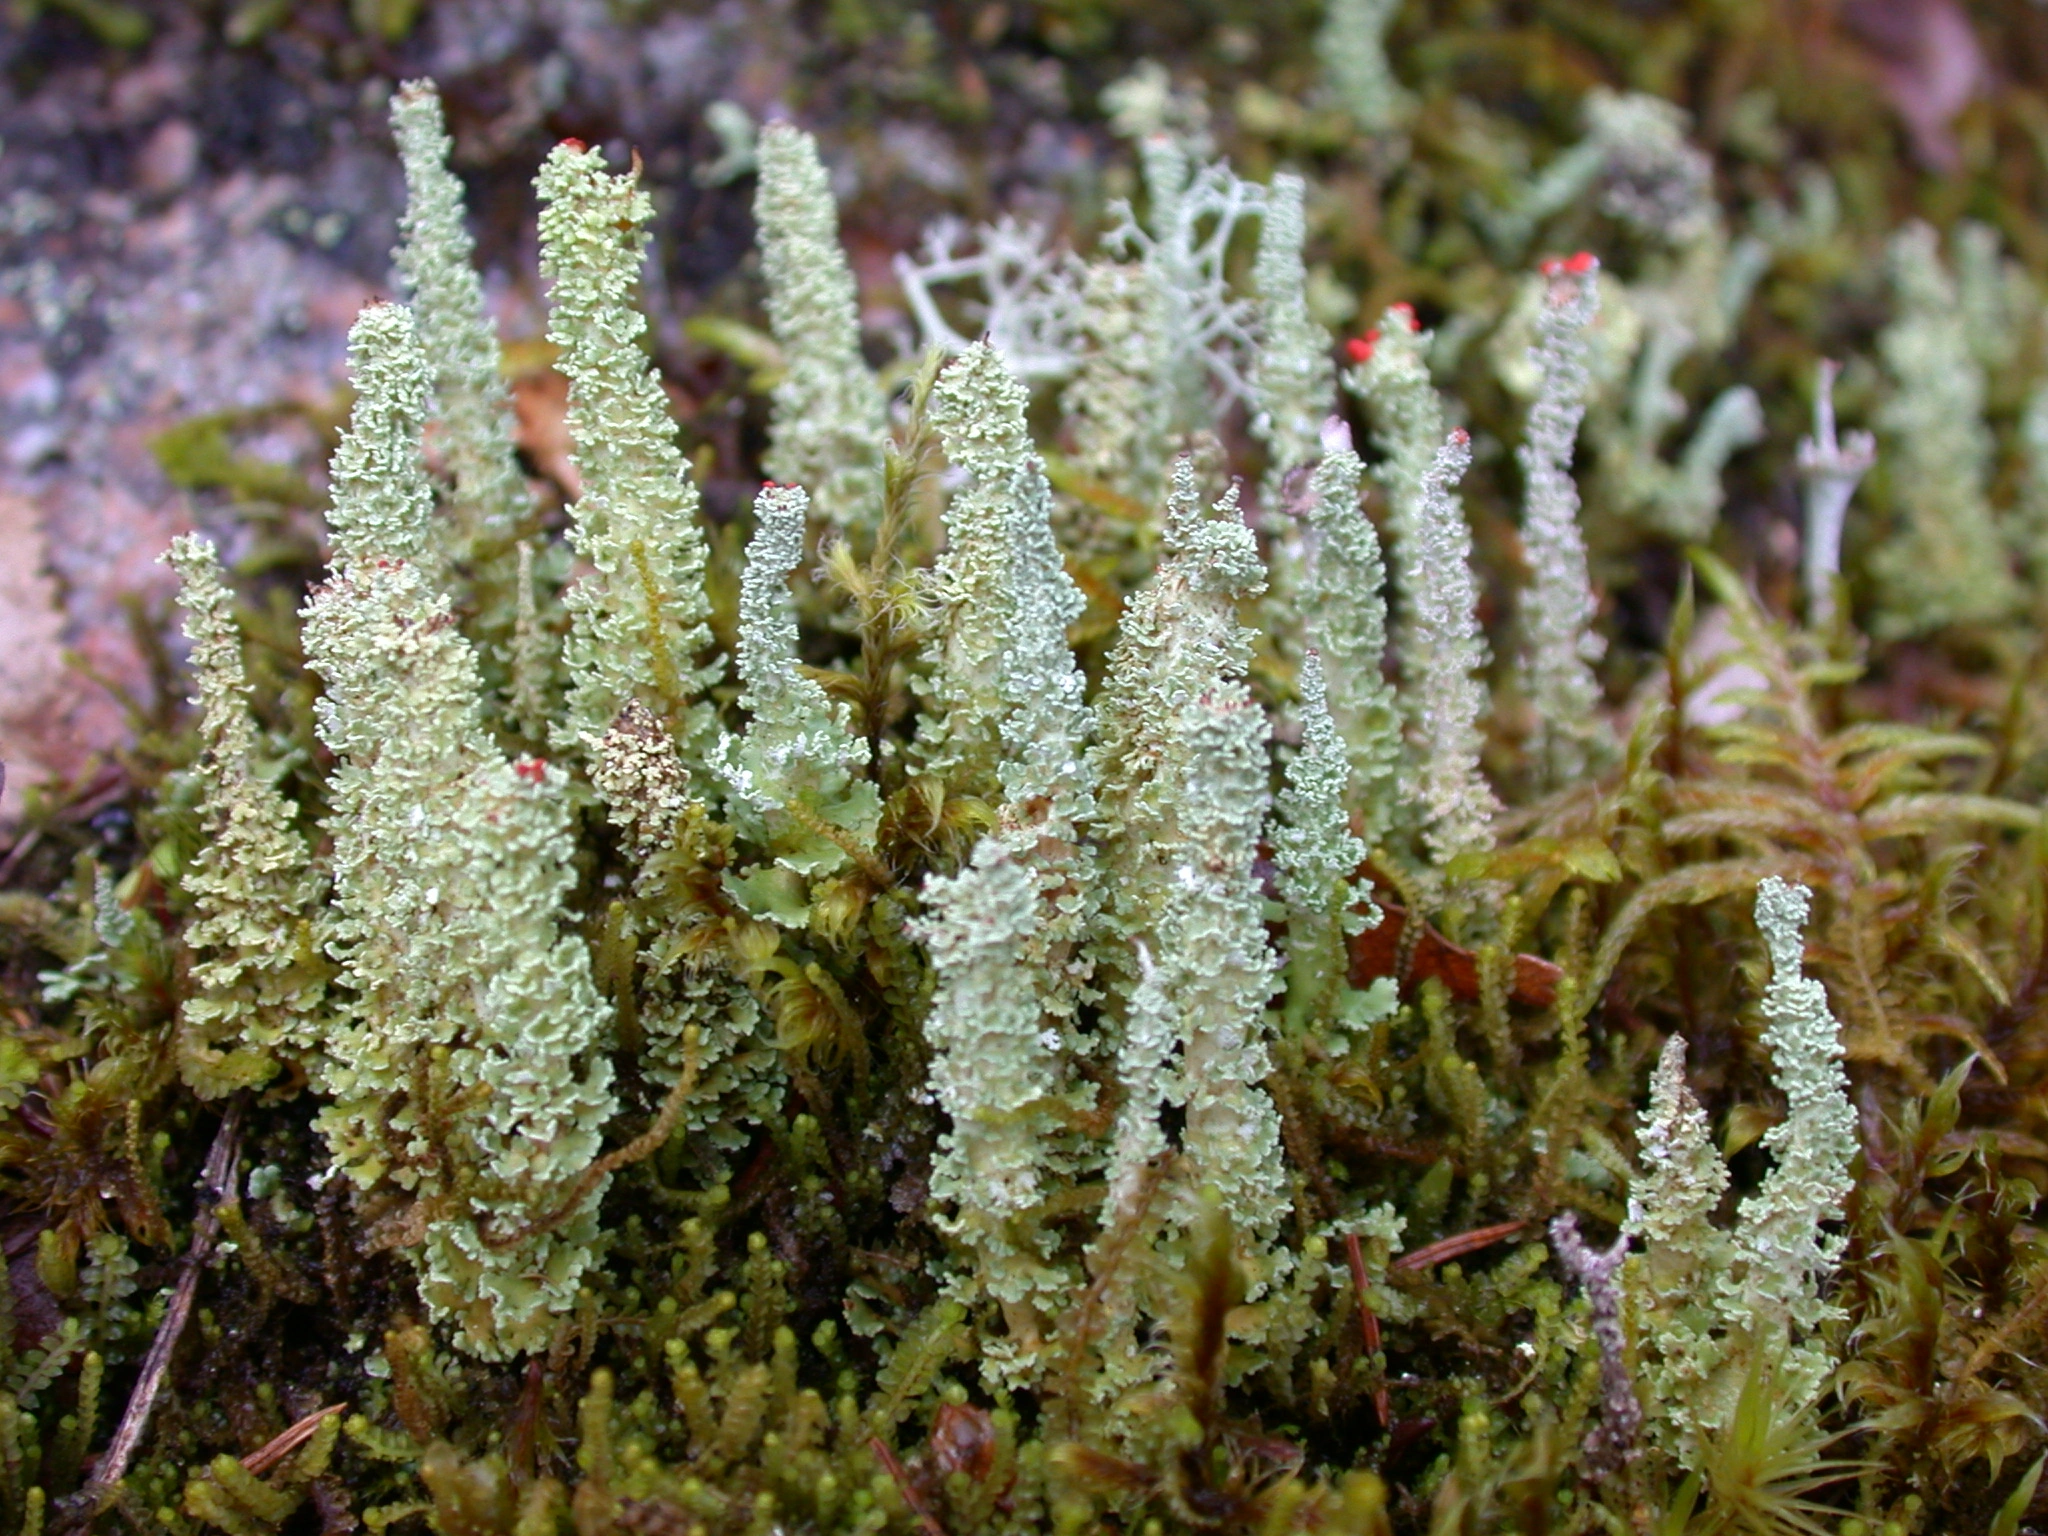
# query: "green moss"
(785, 1115)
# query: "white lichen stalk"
(796, 771)
(1789, 1256)
(1212, 940)
(1559, 642)
(437, 277)
(1011, 692)
(1202, 328)
(828, 420)
(1117, 420)
(996, 1074)
(1344, 617)
(1445, 667)
(638, 616)
(1713, 1306)
(1293, 381)
(1831, 468)
(1352, 49)
(257, 980)
(1391, 377)
(1182, 756)
(461, 1068)
(1944, 563)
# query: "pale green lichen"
(1559, 643)
(1944, 563)
(1685, 498)
(1212, 942)
(1180, 637)
(1635, 156)
(1392, 381)
(2031, 526)
(1014, 699)
(644, 785)
(1790, 1257)
(829, 419)
(1352, 49)
(794, 774)
(637, 617)
(1713, 1306)
(1293, 381)
(258, 981)
(437, 277)
(459, 1069)
(1344, 616)
(1315, 854)
(1446, 661)
(1116, 418)
(1671, 1208)
(996, 1074)
(1006, 685)
(1316, 862)
(1144, 1071)
(1182, 756)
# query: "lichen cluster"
(1044, 979)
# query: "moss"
(864, 1138)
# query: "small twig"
(216, 1179)
(925, 1517)
(1458, 1245)
(19, 851)
(272, 1452)
(1368, 1327)
(1597, 1271)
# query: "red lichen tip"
(1359, 348)
(1460, 436)
(1579, 263)
(532, 769)
(576, 144)
(1407, 313)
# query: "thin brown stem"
(216, 1180)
